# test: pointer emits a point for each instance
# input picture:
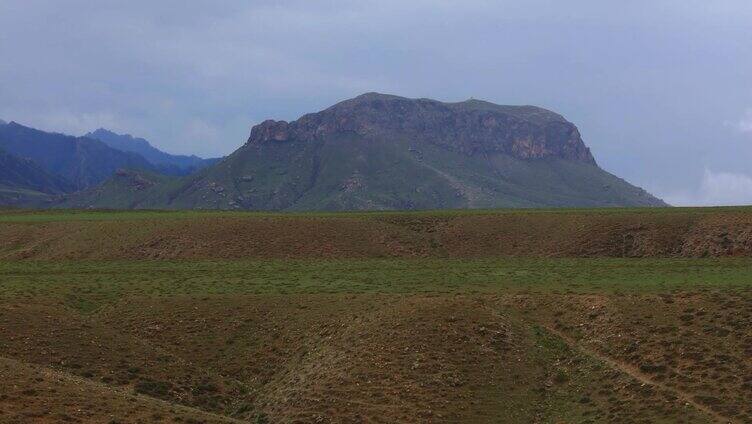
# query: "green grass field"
(62, 215)
(95, 282)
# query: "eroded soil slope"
(378, 358)
(211, 235)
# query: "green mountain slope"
(387, 152)
(126, 189)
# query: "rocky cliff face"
(471, 127)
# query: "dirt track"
(644, 378)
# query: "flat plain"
(548, 316)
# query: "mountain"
(82, 161)
(23, 182)
(381, 151)
(171, 164)
(126, 189)
(2, 122)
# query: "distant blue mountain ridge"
(128, 143)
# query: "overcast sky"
(661, 90)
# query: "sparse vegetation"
(445, 336)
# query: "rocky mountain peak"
(470, 127)
(107, 137)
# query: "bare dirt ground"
(194, 235)
(698, 344)
(379, 358)
(45, 395)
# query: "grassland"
(36, 215)
(380, 317)
(89, 285)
